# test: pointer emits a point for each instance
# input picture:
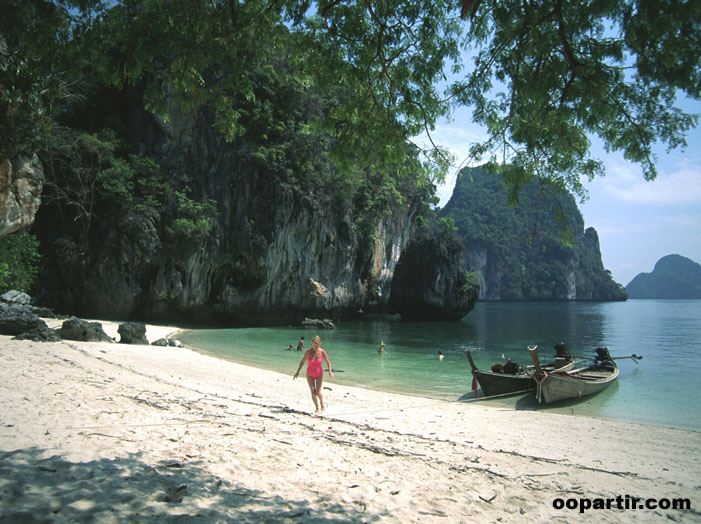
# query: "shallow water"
(663, 389)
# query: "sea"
(663, 388)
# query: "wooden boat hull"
(493, 384)
(500, 384)
(574, 382)
(562, 387)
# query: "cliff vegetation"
(257, 162)
(533, 247)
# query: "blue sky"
(638, 222)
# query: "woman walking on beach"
(315, 372)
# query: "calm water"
(663, 389)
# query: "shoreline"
(485, 402)
(506, 402)
(92, 431)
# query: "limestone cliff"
(21, 183)
(276, 251)
(430, 282)
(538, 250)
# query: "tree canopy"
(541, 77)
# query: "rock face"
(18, 316)
(39, 334)
(21, 182)
(430, 282)
(310, 264)
(275, 254)
(674, 277)
(16, 319)
(519, 253)
(318, 323)
(16, 297)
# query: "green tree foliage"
(389, 56)
(19, 262)
(447, 225)
(96, 176)
(89, 173)
(32, 83)
(539, 76)
(562, 70)
(195, 218)
(258, 79)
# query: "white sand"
(99, 432)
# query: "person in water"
(300, 344)
(382, 347)
(315, 371)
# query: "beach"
(100, 432)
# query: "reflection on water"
(667, 333)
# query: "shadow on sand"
(38, 488)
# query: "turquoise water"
(663, 389)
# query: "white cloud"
(455, 138)
(680, 185)
(456, 135)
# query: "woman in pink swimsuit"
(315, 373)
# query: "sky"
(638, 222)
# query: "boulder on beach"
(132, 333)
(17, 319)
(82, 331)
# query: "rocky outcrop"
(318, 323)
(83, 331)
(430, 282)
(312, 265)
(132, 333)
(673, 277)
(537, 250)
(21, 182)
(18, 316)
(16, 319)
(16, 297)
(489, 271)
(275, 253)
(40, 334)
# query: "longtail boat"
(584, 377)
(511, 378)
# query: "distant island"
(536, 250)
(674, 276)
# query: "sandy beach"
(100, 432)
